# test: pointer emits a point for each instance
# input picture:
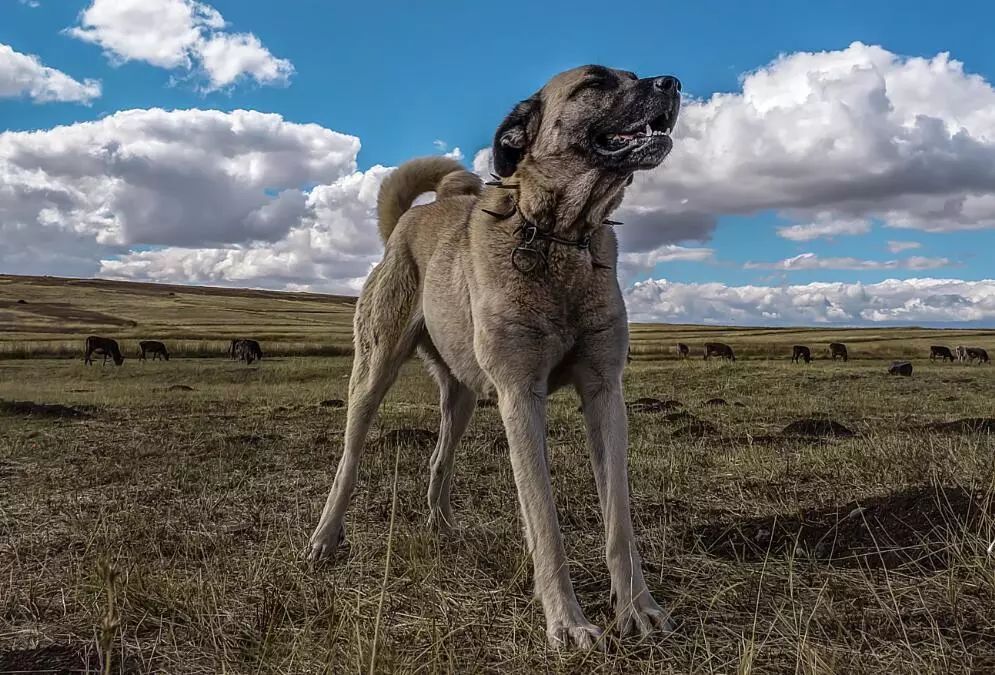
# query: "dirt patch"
(652, 405)
(32, 409)
(716, 401)
(910, 528)
(181, 387)
(694, 429)
(332, 403)
(51, 659)
(680, 416)
(408, 436)
(822, 427)
(967, 425)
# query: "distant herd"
(239, 349)
(246, 350)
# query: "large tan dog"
(512, 290)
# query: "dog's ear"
(516, 133)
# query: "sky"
(834, 164)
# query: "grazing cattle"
(247, 350)
(977, 353)
(719, 349)
(838, 351)
(961, 353)
(102, 346)
(153, 347)
(683, 351)
(940, 352)
(903, 368)
(801, 352)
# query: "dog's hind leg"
(604, 413)
(456, 403)
(388, 325)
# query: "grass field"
(158, 518)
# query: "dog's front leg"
(523, 410)
(607, 433)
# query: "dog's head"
(592, 118)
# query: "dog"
(511, 289)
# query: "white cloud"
(845, 136)
(23, 75)
(920, 301)
(812, 261)
(632, 265)
(179, 34)
(899, 246)
(456, 154)
(824, 227)
(31, 3)
(222, 194)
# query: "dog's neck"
(572, 210)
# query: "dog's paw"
(642, 616)
(324, 544)
(574, 635)
(441, 521)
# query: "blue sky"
(400, 76)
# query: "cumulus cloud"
(179, 34)
(830, 137)
(812, 261)
(212, 196)
(899, 246)
(894, 301)
(23, 75)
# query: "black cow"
(801, 352)
(102, 346)
(720, 350)
(903, 368)
(155, 348)
(246, 350)
(683, 351)
(977, 353)
(940, 352)
(838, 351)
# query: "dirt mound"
(967, 425)
(694, 429)
(332, 403)
(408, 436)
(910, 528)
(51, 659)
(817, 426)
(32, 409)
(181, 387)
(716, 401)
(652, 405)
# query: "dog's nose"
(668, 84)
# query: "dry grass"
(159, 529)
(164, 528)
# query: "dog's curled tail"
(405, 183)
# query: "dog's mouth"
(653, 132)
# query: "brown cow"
(155, 348)
(838, 350)
(102, 346)
(977, 353)
(940, 352)
(683, 351)
(719, 349)
(247, 350)
(801, 352)
(903, 368)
